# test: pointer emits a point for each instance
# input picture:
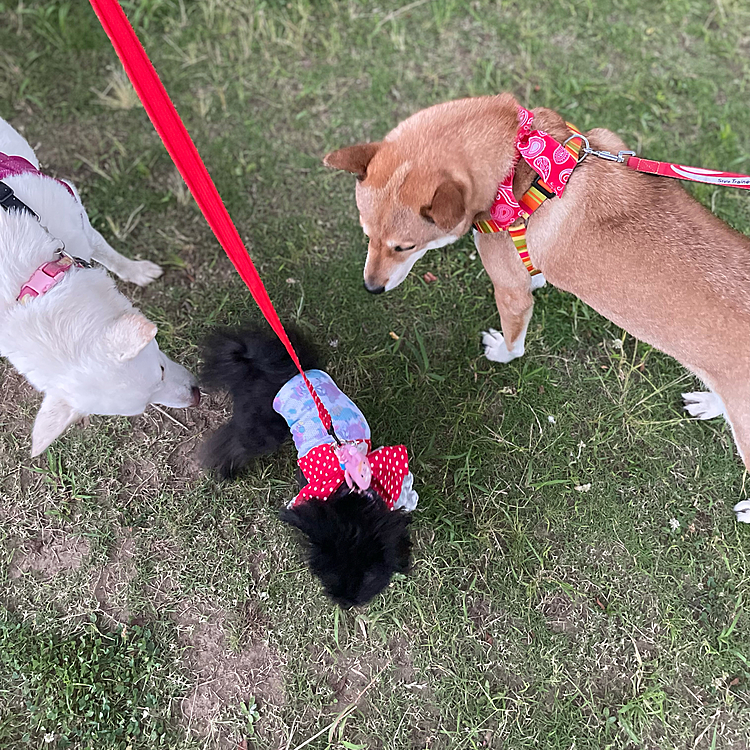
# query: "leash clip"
(332, 432)
(620, 157)
(78, 262)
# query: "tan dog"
(636, 248)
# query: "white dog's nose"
(196, 396)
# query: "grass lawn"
(579, 579)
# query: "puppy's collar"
(325, 474)
(552, 161)
(49, 275)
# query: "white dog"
(65, 326)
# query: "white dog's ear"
(128, 335)
(54, 417)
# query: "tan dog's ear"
(54, 417)
(353, 159)
(128, 335)
(448, 206)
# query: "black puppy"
(355, 539)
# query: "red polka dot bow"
(325, 475)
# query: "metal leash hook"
(74, 259)
(333, 434)
(620, 157)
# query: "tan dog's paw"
(141, 272)
(703, 404)
(495, 348)
(742, 510)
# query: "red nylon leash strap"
(185, 155)
(693, 174)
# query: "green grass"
(538, 615)
(94, 690)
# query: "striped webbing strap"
(529, 202)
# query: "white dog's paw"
(703, 404)
(495, 349)
(742, 511)
(141, 272)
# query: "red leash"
(693, 174)
(667, 169)
(181, 148)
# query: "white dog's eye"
(400, 249)
(163, 370)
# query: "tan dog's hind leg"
(734, 403)
(738, 416)
(513, 287)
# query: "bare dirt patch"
(48, 556)
(352, 677)
(563, 614)
(403, 663)
(163, 586)
(112, 582)
(175, 438)
(139, 476)
(222, 678)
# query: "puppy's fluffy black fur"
(251, 365)
(354, 543)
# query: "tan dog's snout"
(374, 289)
(386, 268)
(374, 278)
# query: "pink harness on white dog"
(12, 165)
(48, 274)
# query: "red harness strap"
(552, 161)
(188, 161)
(553, 167)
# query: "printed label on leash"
(692, 174)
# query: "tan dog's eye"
(400, 249)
